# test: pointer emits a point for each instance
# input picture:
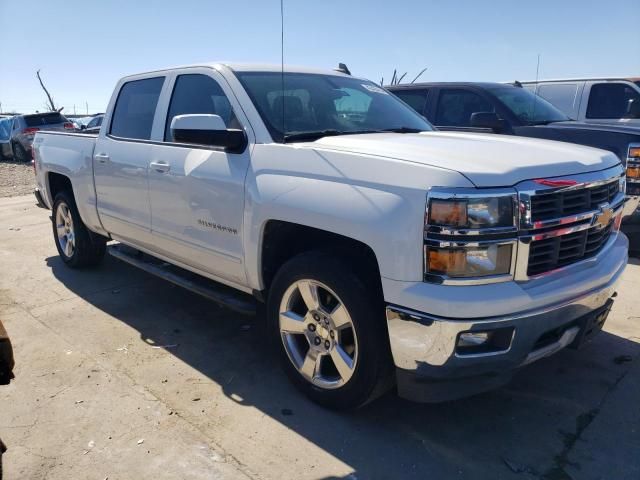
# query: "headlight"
(472, 213)
(470, 234)
(469, 261)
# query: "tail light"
(30, 131)
(69, 126)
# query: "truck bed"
(70, 155)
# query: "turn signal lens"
(633, 171)
(634, 152)
(474, 213)
(448, 212)
(470, 261)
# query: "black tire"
(373, 372)
(19, 153)
(3, 449)
(89, 248)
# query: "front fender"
(374, 200)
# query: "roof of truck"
(250, 67)
(586, 79)
(409, 86)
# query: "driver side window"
(197, 93)
(455, 107)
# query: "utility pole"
(87, 105)
(74, 108)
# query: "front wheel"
(330, 331)
(78, 247)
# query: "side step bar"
(232, 299)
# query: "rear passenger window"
(611, 100)
(196, 93)
(455, 107)
(416, 99)
(135, 108)
(562, 96)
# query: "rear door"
(196, 191)
(415, 98)
(121, 159)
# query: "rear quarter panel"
(70, 155)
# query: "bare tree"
(50, 105)
(397, 80)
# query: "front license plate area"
(591, 324)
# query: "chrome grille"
(556, 252)
(562, 204)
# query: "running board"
(229, 297)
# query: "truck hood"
(611, 128)
(487, 160)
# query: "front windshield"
(528, 107)
(326, 105)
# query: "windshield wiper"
(404, 130)
(315, 135)
(547, 122)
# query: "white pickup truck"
(384, 251)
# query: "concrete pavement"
(124, 376)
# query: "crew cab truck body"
(374, 240)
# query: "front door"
(197, 192)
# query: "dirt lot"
(16, 178)
(123, 376)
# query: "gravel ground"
(16, 179)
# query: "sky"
(83, 47)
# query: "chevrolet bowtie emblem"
(603, 217)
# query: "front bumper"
(430, 367)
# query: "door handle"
(160, 167)
(101, 157)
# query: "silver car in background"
(24, 128)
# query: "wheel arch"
(56, 183)
(283, 240)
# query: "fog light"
(493, 341)
(473, 339)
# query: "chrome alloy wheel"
(318, 334)
(64, 229)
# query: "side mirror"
(634, 108)
(204, 129)
(487, 120)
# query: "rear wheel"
(20, 153)
(330, 331)
(78, 247)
